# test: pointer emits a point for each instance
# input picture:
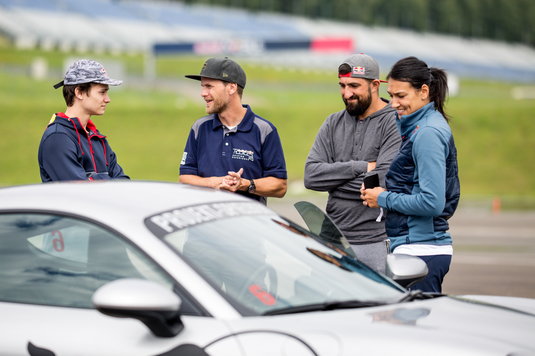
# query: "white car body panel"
(523, 304)
(378, 331)
(72, 331)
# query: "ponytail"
(416, 73)
(438, 89)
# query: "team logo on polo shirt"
(244, 155)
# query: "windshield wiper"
(419, 295)
(349, 304)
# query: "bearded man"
(359, 141)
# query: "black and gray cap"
(87, 71)
(362, 66)
(224, 69)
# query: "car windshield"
(263, 263)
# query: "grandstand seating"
(140, 25)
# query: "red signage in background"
(332, 44)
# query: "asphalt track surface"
(494, 253)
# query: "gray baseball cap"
(224, 69)
(87, 71)
(362, 66)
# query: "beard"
(360, 107)
(218, 105)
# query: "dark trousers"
(438, 266)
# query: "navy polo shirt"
(255, 146)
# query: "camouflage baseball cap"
(87, 71)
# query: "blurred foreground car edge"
(154, 268)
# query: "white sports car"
(153, 268)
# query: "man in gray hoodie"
(359, 141)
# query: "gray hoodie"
(338, 161)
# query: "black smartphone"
(371, 181)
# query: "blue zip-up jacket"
(68, 152)
(422, 183)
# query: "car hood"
(526, 305)
(441, 326)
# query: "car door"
(50, 266)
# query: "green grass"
(495, 137)
(148, 126)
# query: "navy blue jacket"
(422, 183)
(68, 152)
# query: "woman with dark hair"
(422, 183)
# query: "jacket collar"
(90, 125)
(409, 122)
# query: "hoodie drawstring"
(89, 141)
(79, 142)
(105, 155)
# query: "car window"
(61, 261)
(262, 262)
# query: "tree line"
(504, 20)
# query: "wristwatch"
(252, 187)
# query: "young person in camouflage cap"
(71, 147)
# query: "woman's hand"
(369, 196)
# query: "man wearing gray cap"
(71, 147)
(232, 148)
(354, 143)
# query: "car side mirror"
(406, 270)
(151, 303)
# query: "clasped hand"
(232, 181)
